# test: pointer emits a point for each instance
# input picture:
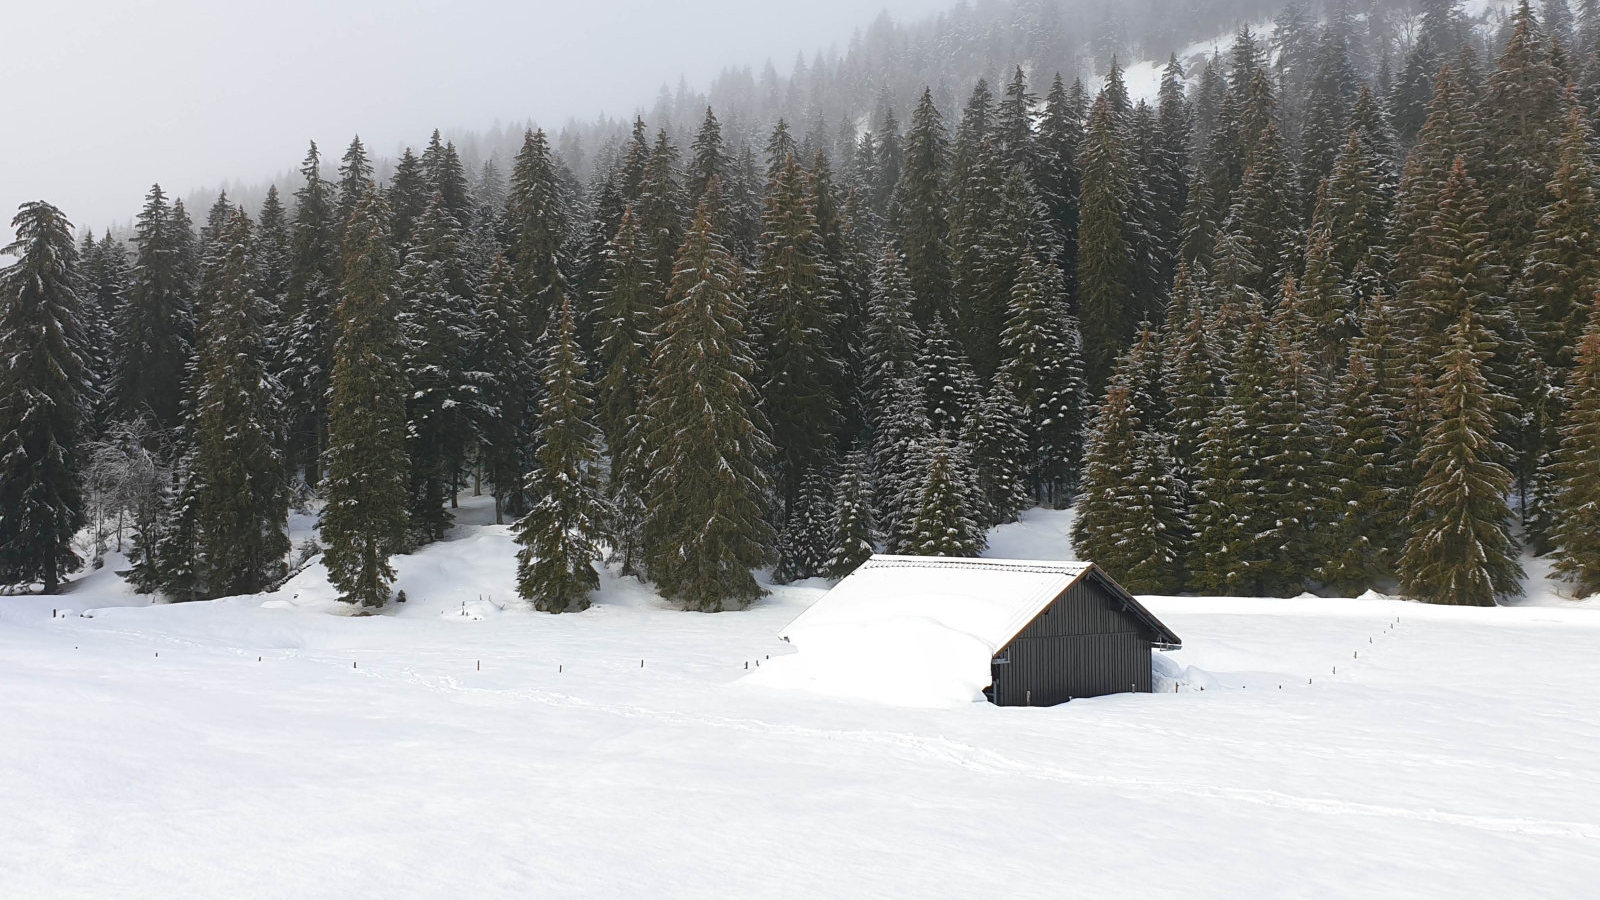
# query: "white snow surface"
(266, 747)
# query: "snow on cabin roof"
(988, 599)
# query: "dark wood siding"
(1084, 644)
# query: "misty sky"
(107, 96)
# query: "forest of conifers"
(1317, 318)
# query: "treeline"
(1323, 353)
(1366, 367)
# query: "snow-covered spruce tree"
(661, 208)
(891, 338)
(509, 388)
(538, 226)
(1562, 274)
(562, 532)
(1461, 551)
(1576, 471)
(1104, 268)
(1296, 451)
(946, 518)
(1523, 114)
(850, 531)
(364, 522)
(1192, 374)
(704, 528)
(921, 210)
(804, 542)
(899, 458)
(1044, 364)
(1130, 513)
(44, 386)
(306, 345)
(241, 493)
(994, 436)
(794, 308)
(1231, 518)
(1366, 505)
(949, 384)
(1060, 187)
(435, 322)
(448, 177)
(155, 327)
(627, 325)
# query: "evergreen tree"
(661, 206)
(364, 522)
(1045, 367)
(155, 327)
(561, 533)
(435, 325)
(1104, 270)
(1295, 458)
(899, 458)
(1234, 546)
(851, 528)
(44, 396)
(946, 520)
(537, 221)
(1366, 503)
(921, 210)
(1058, 179)
(950, 385)
(804, 544)
(1576, 471)
(1130, 515)
(241, 496)
(993, 436)
(704, 529)
(1562, 274)
(626, 327)
(891, 339)
(1461, 551)
(795, 312)
(509, 387)
(355, 173)
(1191, 380)
(309, 297)
(1523, 112)
(407, 196)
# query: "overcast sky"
(107, 96)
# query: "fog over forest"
(193, 93)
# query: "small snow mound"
(1168, 676)
(916, 663)
(1371, 594)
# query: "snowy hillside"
(263, 747)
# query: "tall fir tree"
(155, 327)
(794, 311)
(562, 532)
(537, 220)
(310, 294)
(241, 492)
(1576, 471)
(44, 397)
(364, 521)
(1461, 551)
(509, 398)
(1104, 271)
(921, 210)
(704, 530)
(435, 319)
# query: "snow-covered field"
(263, 747)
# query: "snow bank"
(911, 661)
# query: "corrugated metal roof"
(989, 599)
